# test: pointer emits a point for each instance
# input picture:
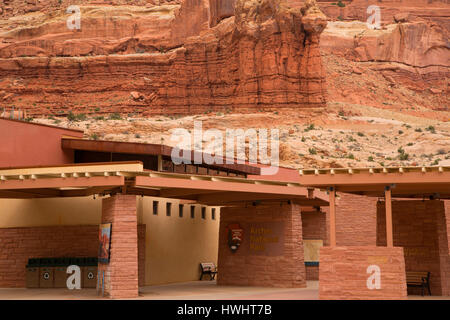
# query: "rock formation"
(265, 57)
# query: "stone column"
(443, 225)
(271, 250)
(362, 273)
(121, 274)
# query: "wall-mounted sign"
(312, 250)
(235, 236)
(266, 238)
(104, 243)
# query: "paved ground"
(194, 290)
(202, 290)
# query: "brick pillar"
(271, 252)
(344, 273)
(443, 225)
(121, 274)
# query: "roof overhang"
(130, 178)
(405, 182)
(153, 149)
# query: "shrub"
(431, 129)
(370, 159)
(115, 116)
(403, 156)
(312, 151)
(71, 116)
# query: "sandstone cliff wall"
(165, 59)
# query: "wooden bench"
(419, 279)
(208, 268)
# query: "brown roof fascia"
(145, 148)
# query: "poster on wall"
(312, 250)
(104, 243)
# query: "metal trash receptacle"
(46, 273)
(32, 273)
(60, 272)
(89, 272)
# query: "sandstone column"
(367, 273)
(271, 250)
(443, 225)
(121, 274)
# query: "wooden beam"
(388, 203)
(142, 181)
(175, 193)
(61, 183)
(332, 202)
(366, 178)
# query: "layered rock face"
(164, 59)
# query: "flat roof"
(405, 182)
(130, 178)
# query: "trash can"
(89, 272)
(46, 273)
(60, 272)
(32, 273)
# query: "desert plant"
(115, 116)
(431, 129)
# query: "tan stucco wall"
(174, 246)
(49, 212)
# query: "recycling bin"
(32, 273)
(46, 273)
(60, 272)
(89, 272)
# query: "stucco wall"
(49, 212)
(27, 144)
(176, 246)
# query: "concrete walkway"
(194, 290)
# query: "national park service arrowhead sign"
(235, 236)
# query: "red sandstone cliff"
(264, 57)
